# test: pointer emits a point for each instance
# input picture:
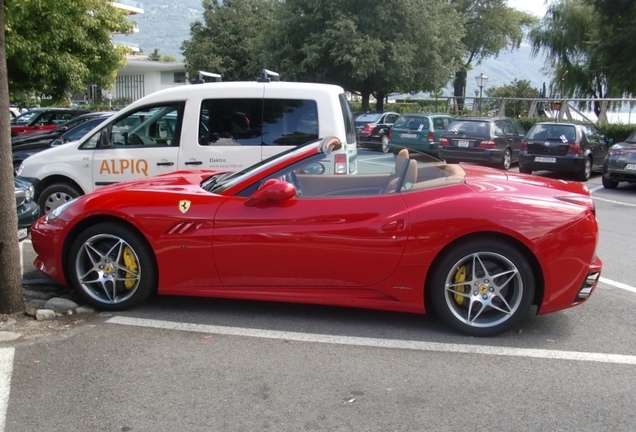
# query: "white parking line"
(614, 201)
(379, 343)
(6, 369)
(617, 284)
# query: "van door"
(144, 143)
(229, 134)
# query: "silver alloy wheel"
(588, 168)
(506, 160)
(483, 289)
(108, 269)
(55, 200)
(385, 144)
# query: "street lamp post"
(481, 83)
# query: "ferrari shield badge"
(184, 206)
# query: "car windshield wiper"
(209, 183)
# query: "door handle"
(165, 163)
(396, 225)
(194, 163)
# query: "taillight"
(524, 146)
(617, 152)
(431, 135)
(443, 142)
(575, 148)
(390, 134)
(367, 130)
(582, 200)
(487, 144)
(340, 163)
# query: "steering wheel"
(134, 139)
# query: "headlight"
(30, 192)
(56, 212)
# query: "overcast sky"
(536, 7)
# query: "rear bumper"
(486, 156)
(568, 163)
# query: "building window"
(179, 77)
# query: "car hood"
(626, 146)
(177, 181)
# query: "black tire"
(506, 160)
(112, 267)
(385, 144)
(55, 195)
(586, 172)
(525, 170)
(609, 183)
(468, 307)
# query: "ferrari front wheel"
(112, 267)
(483, 288)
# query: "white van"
(220, 125)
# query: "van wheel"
(55, 195)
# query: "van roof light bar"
(200, 74)
(268, 75)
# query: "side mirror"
(273, 190)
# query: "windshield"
(368, 118)
(470, 127)
(26, 117)
(218, 184)
(543, 132)
(411, 123)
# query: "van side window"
(289, 122)
(230, 122)
(255, 122)
(155, 126)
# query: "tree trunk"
(379, 104)
(11, 295)
(365, 100)
(460, 90)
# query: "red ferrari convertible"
(479, 246)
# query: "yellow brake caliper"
(460, 276)
(131, 264)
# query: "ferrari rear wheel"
(483, 288)
(112, 267)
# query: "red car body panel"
(377, 253)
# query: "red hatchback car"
(406, 233)
(44, 119)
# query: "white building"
(139, 78)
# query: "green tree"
(516, 89)
(156, 56)
(369, 47)
(614, 44)
(11, 296)
(490, 26)
(54, 47)
(229, 40)
(567, 35)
